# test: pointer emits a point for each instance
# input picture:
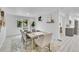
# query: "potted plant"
(2, 13)
(39, 18)
(19, 23)
(33, 26)
(25, 22)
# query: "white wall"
(49, 27)
(11, 24)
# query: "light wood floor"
(68, 44)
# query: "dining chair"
(25, 40)
(22, 38)
(43, 42)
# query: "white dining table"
(34, 35)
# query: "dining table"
(35, 35)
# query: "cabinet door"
(76, 27)
(69, 31)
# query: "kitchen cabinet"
(69, 31)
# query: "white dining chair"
(25, 40)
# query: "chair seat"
(41, 43)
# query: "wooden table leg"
(49, 48)
(32, 45)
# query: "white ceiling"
(70, 9)
(30, 10)
(34, 11)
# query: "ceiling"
(36, 11)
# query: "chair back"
(23, 35)
(43, 40)
(47, 39)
